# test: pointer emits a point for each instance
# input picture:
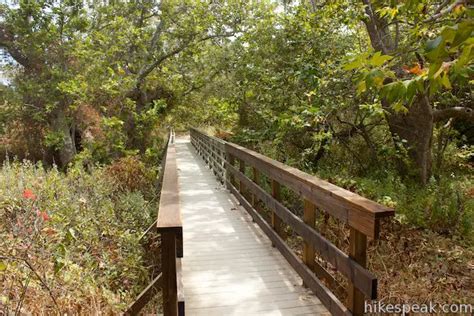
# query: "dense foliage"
(388, 114)
(70, 242)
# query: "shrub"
(130, 174)
(69, 243)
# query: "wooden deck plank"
(286, 300)
(229, 267)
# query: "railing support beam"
(358, 252)
(276, 221)
(309, 217)
(241, 169)
(168, 266)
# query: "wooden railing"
(169, 226)
(212, 150)
(244, 171)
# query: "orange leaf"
(417, 70)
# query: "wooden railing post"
(222, 163)
(358, 252)
(241, 169)
(231, 161)
(276, 221)
(213, 157)
(256, 180)
(168, 266)
(309, 217)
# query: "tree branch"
(42, 281)
(147, 70)
(459, 112)
(7, 42)
(157, 33)
(440, 12)
(381, 37)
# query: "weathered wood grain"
(331, 302)
(168, 267)
(363, 279)
(358, 252)
(309, 218)
(277, 224)
(355, 210)
(169, 216)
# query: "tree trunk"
(416, 127)
(60, 124)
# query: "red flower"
(28, 194)
(45, 216)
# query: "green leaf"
(439, 72)
(399, 107)
(464, 31)
(411, 89)
(434, 68)
(464, 57)
(434, 86)
(448, 33)
(445, 81)
(375, 78)
(378, 59)
(357, 63)
(394, 91)
(361, 87)
(3, 266)
(433, 44)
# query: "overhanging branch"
(147, 70)
(7, 43)
(441, 11)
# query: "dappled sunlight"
(229, 265)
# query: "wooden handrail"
(212, 150)
(353, 209)
(364, 280)
(169, 216)
(170, 226)
(360, 214)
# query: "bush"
(130, 174)
(69, 243)
(445, 206)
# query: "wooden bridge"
(224, 224)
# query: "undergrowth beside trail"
(69, 243)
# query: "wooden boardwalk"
(229, 266)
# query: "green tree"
(421, 49)
(117, 61)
